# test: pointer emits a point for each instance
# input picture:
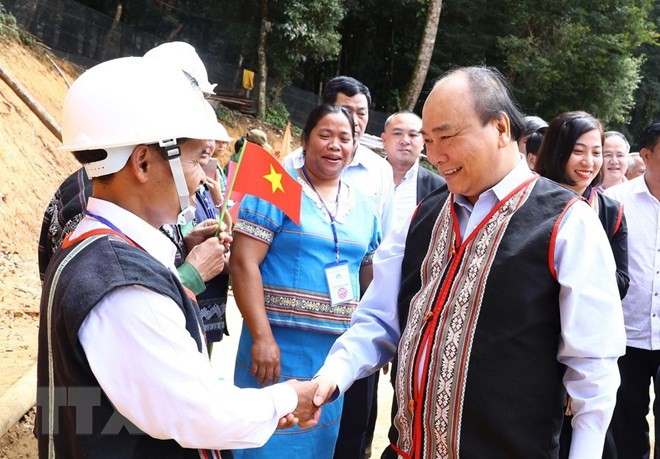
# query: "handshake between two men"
(312, 395)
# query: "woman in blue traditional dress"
(297, 286)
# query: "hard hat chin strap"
(174, 158)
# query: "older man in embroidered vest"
(511, 288)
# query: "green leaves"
(579, 58)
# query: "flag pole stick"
(230, 188)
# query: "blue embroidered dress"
(304, 322)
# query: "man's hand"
(208, 258)
(306, 413)
(204, 231)
(287, 421)
(326, 387)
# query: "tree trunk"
(110, 41)
(31, 102)
(424, 56)
(261, 59)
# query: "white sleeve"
(373, 337)
(149, 367)
(294, 160)
(387, 211)
(592, 330)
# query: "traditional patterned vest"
(478, 374)
(75, 419)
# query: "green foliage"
(227, 115)
(424, 162)
(597, 55)
(647, 97)
(577, 55)
(302, 31)
(9, 28)
(277, 114)
(379, 46)
(310, 29)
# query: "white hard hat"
(129, 101)
(183, 56)
(222, 135)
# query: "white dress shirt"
(368, 173)
(641, 305)
(592, 336)
(405, 195)
(149, 367)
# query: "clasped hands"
(311, 396)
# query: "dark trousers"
(355, 419)
(392, 434)
(373, 416)
(629, 427)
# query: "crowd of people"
(510, 285)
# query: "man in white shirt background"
(636, 166)
(403, 145)
(641, 305)
(367, 172)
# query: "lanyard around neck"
(105, 221)
(332, 218)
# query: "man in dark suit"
(403, 144)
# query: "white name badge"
(339, 282)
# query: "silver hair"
(620, 135)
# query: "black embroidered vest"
(482, 330)
(72, 409)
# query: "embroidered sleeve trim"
(254, 230)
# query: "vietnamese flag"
(258, 173)
(235, 195)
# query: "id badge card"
(339, 282)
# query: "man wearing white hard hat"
(122, 364)
(198, 265)
(183, 56)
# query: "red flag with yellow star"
(258, 173)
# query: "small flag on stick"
(258, 173)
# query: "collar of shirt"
(362, 158)
(638, 186)
(142, 233)
(466, 212)
(411, 174)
